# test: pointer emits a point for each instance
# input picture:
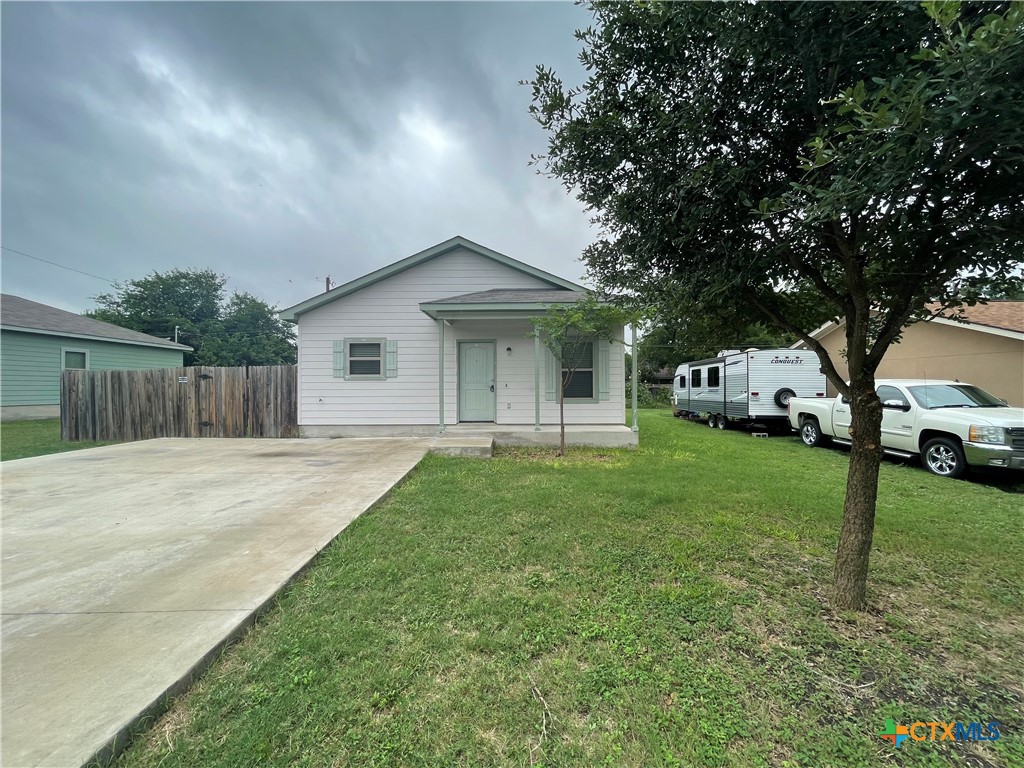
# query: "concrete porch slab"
(463, 445)
(591, 435)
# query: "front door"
(476, 381)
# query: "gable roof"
(292, 313)
(18, 314)
(999, 318)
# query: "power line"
(55, 264)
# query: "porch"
(459, 439)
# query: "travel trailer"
(746, 387)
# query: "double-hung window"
(578, 370)
(365, 359)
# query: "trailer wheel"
(723, 423)
(810, 433)
(712, 420)
(782, 397)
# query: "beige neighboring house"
(987, 350)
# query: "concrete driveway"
(126, 568)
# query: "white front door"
(476, 381)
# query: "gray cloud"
(276, 143)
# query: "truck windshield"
(954, 396)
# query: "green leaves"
(243, 330)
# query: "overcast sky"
(274, 143)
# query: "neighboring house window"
(695, 377)
(365, 359)
(713, 374)
(75, 358)
(580, 356)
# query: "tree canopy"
(861, 159)
(240, 330)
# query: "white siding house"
(370, 351)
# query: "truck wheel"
(944, 457)
(782, 397)
(712, 420)
(810, 433)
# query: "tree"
(681, 332)
(242, 331)
(866, 158)
(571, 332)
(252, 334)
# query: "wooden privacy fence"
(179, 402)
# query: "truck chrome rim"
(942, 460)
(809, 433)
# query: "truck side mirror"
(896, 404)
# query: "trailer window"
(682, 383)
(695, 377)
(713, 376)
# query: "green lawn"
(36, 437)
(661, 607)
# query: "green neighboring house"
(38, 341)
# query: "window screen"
(364, 358)
(74, 360)
(580, 356)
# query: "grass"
(34, 437)
(661, 607)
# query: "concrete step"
(463, 445)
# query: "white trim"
(979, 327)
(169, 345)
(824, 330)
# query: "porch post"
(440, 375)
(536, 380)
(636, 364)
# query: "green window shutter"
(603, 379)
(553, 375)
(339, 359)
(392, 361)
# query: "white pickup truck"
(951, 425)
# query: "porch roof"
(499, 303)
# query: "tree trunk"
(854, 548)
(561, 421)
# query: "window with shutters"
(357, 359)
(578, 366)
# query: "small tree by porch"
(571, 333)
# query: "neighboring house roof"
(1007, 315)
(1000, 318)
(24, 316)
(291, 314)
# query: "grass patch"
(35, 437)
(666, 606)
